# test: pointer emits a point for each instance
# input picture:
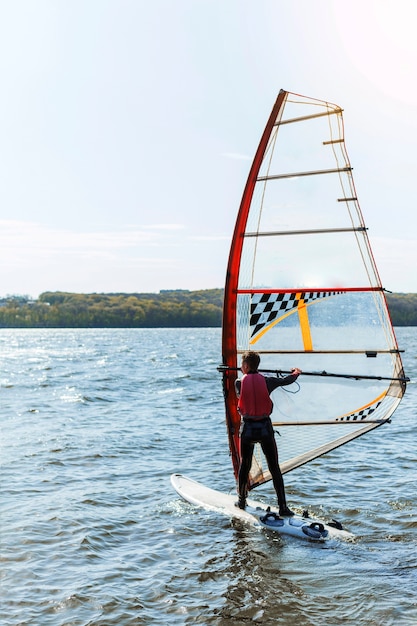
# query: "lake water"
(93, 422)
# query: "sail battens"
(339, 334)
(254, 290)
(304, 118)
(337, 170)
(336, 351)
(316, 231)
(329, 423)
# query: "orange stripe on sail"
(365, 406)
(304, 324)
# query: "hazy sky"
(127, 129)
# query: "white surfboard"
(257, 513)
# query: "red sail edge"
(229, 338)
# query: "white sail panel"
(303, 289)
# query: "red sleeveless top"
(254, 398)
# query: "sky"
(127, 129)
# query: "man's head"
(250, 361)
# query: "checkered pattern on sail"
(359, 415)
(265, 307)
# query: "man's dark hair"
(252, 359)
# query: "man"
(255, 407)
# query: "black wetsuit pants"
(262, 432)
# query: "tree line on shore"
(166, 309)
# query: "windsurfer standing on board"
(255, 407)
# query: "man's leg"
(246, 451)
(269, 448)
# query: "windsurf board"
(257, 513)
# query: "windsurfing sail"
(302, 289)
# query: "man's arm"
(272, 382)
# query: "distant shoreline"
(178, 308)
